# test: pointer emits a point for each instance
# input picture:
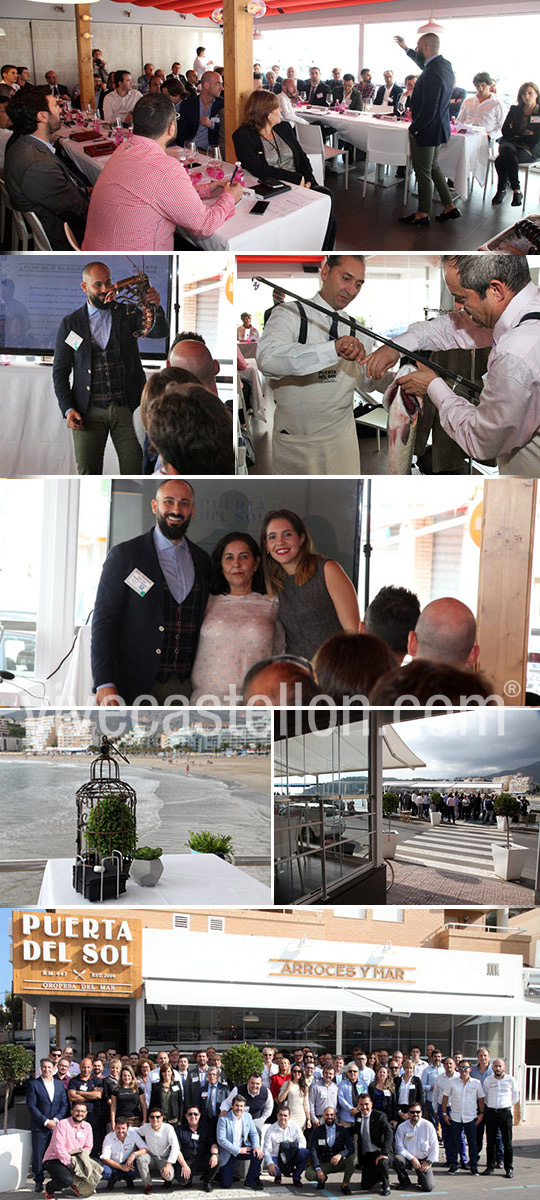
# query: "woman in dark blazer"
(408, 1089)
(383, 1095)
(167, 1094)
(269, 149)
(520, 142)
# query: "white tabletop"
(464, 154)
(188, 879)
(295, 220)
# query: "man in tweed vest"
(150, 605)
(98, 375)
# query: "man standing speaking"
(98, 375)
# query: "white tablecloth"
(296, 220)
(35, 438)
(187, 879)
(465, 154)
(251, 374)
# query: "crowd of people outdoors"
(144, 198)
(455, 805)
(130, 1117)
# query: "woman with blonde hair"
(128, 1099)
(316, 597)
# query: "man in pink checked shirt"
(143, 193)
(69, 1137)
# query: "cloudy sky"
(478, 742)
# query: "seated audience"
(142, 193)
(271, 85)
(8, 86)
(437, 684)
(192, 83)
(484, 109)
(23, 77)
(99, 95)
(348, 665)
(445, 632)
(336, 80)
(347, 94)
(520, 142)
(191, 430)
(200, 115)
(317, 91)
(403, 102)
(367, 88)
(280, 680)
(269, 149)
(456, 99)
(177, 92)
(176, 74)
(36, 179)
(143, 82)
(57, 89)
(122, 101)
(391, 616)
(389, 91)
(156, 84)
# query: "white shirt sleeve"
(279, 352)
(507, 415)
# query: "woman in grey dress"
(316, 597)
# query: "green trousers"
(425, 161)
(90, 441)
(347, 1165)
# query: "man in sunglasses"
(199, 1152)
(163, 1150)
(416, 1146)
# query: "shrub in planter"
(390, 804)
(111, 826)
(16, 1065)
(241, 1061)
(210, 843)
(507, 806)
(437, 801)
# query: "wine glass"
(191, 152)
(329, 99)
(214, 153)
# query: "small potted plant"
(509, 860)
(111, 830)
(390, 803)
(16, 1065)
(435, 808)
(211, 843)
(146, 866)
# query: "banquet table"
(35, 438)
(465, 154)
(188, 879)
(295, 220)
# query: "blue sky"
(5, 965)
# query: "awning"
(344, 748)
(275, 995)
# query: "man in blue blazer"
(237, 1135)
(150, 605)
(47, 1103)
(200, 118)
(429, 129)
(98, 375)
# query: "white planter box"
(146, 871)
(508, 864)
(435, 818)
(389, 843)
(15, 1156)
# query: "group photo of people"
(373, 1119)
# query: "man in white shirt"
(322, 1094)
(466, 1100)
(417, 1146)
(439, 1088)
(364, 1072)
(314, 364)
(270, 1067)
(122, 1149)
(122, 101)
(496, 305)
(237, 1135)
(419, 1063)
(501, 1093)
(484, 109)
(199, 63)
(162, 1149)
(278, 1161)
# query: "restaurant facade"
(334, 979)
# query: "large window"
(318, 46)
(21, 505)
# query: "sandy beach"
(253, 772)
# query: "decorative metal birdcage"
(106, 828)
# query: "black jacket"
(321, 92)
(416, 1093)
(199, 1096)
(517, 130)
(79, 362)
(176, 1101)
(249, 148)
(321, 1152)
(38, 182)
(127, 629)
(430, 104)
(395, 93)
(188, 122)
(380, 1132)
(356, 104)
(192, 1148)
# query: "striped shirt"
(141, 196)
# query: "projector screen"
(37, 290)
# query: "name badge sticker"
(74, 340)
(139, 583)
